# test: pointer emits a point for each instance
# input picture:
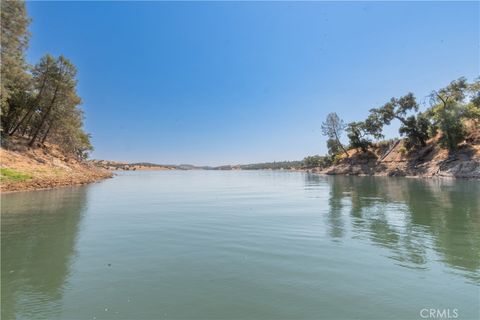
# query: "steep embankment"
(44, 167)
(429, 161)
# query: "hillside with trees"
(44, 143)
(39, 109)
(40, 101)
(442, 139)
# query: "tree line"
(446, 117)
(38, 102)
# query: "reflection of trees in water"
(39, 231)
(335, 221)
(409, 216)
(449, 211)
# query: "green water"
(242, 245)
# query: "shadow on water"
(39, 231)
(409, 217)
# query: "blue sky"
(228, 82)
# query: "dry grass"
(44, 167)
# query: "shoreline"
(46, 168)
(31, 169)
(324, 172)
(44, 185)
(58, 186)
(426, 177)
(49, 184)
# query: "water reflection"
(409, 217)
(266, 241)
(39, 231)
(335, 220)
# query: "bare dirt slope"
(429, 161)
(44, 167)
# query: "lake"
(242, 245)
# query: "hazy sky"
(226, 83)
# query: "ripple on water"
(251, 245)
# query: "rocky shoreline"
(46, 167)
(431, 161)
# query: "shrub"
(337, 158)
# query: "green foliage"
(358, 136)
(414, 127)
(385, 144)
(13, 175)
(316, 161)
(14, 42)
(472, 111)
(333, 147)
(268, 165)
(454, 92)
(403, 150)
(373, 126)
(448, 120)
(474, 90)
(43, 104)
(449, 109)
(362, 133)
(337, 158)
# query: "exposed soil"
(44, 167)
(430, 161)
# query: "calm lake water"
(242, 245)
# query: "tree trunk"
(44, 118)
(30, 111)
(46, 133)
(423, 143)
(341, 145)
(26, 124)
(7, 119)
(389, 150)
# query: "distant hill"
(117, 165)
(385, 158)
(192, 167)
(281, 165)
(132, 166)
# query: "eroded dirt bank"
(24, 169)
(430, 161)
